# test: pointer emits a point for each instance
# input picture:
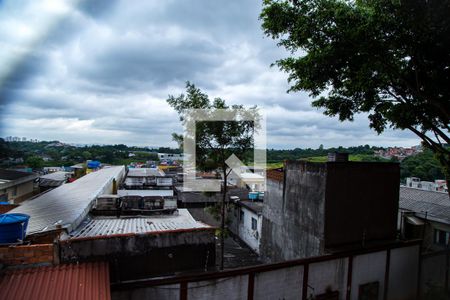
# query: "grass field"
(352, 157)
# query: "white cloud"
(100, 71)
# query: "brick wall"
(4, 208)
(24, 255)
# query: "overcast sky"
(100, 72)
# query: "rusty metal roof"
(109, 226)
(69, 281)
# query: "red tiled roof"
(68, 281)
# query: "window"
(441, 237)
(241, 216)
(254, 223)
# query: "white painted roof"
(144, 193)
(70, 203)
(106, 226)
(145, 172)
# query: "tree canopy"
(215, 141)
(387, 58)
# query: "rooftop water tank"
(13, 228)
(253, 195)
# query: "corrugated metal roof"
(71, 281)
(106, 226)
(436, 205)
(145, 172)
(59, 175)
(144, 193)
(68, 204)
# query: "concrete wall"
(170, 291)
(366, 269)
(344, 275)
(19, 192)
(285, 284)
(434, 267)
(294, 214)
(361, 202)
(224, 288)
(199, 199)
(144, 255)
(202, 215)
(403, 273)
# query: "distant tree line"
(297, 153)
(423, 165)
(52, 153)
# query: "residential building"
(147, 178)
(140, 233)
(425, 215)
(439, 185)
(143, 246)
(170, 156)
(246, 221)
(16, 186)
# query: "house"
(246, 221)
(439, 185)
(315, 208)
(170, 156)
(147, 178)
(16, 186)
(425, 215)
(143, 246)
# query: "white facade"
(249, 228)
(438, 185)
(170, 156)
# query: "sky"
(99, 72)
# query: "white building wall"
(328, 275)
(368, 268)
(284, 284)
(219, 289)
(246, 233)
(287, 282)
(403, 273)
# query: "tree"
(215, 141)
(34, 162)
(387, 58)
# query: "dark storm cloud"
(100, 71)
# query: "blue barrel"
(13, 228)
(253, 195)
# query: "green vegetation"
(353, 157)
(423, 165)
(54, 153)
(214, 141)
(385, 58)
(274, 156)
